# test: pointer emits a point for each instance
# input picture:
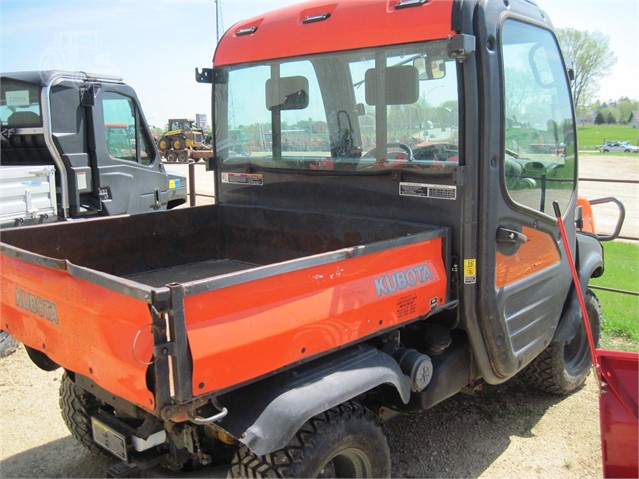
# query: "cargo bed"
(209, 287)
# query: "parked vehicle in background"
(76, 146)
(183, 140)
(621, 146)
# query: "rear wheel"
(345, 441)
(564, 365)
(171, 156)
(8, 344)
(76, 406)
(177, 144)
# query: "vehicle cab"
(409, 109)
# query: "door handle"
(504, 235)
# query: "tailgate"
(80, 320)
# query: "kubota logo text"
(399, 280)
(40, 306)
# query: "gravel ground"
(501, 431)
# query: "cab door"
(132, 178)
(524, 276)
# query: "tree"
(599, 119)
(589, 55)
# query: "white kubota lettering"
(399, 280)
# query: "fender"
(589, 264)
(266, 415)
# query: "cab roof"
(46, 77)
(321, 26)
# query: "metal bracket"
(88, 92)
(204, 76)
(461, 46)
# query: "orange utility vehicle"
(344, 276)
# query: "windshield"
(363, 110)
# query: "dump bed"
(167, 307)
(27, 194)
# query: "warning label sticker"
(407, 306)
(250, 179)
(470, 271)
(423, 190)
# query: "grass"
(620, 311)
(592, 136)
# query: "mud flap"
(266, 415)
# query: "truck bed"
(229, 293)
(190, 272)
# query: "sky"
(155, 45)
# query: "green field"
(620, 311)
(591, 136)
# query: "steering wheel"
(393, 145)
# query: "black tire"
(76, 406)
(563, 366)
(177, 144)
(345, 441)
(171, 157)
(8, 344)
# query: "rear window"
(19, 104)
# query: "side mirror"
(430, 69)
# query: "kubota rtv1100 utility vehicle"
(383, 238)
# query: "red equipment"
(617, 377)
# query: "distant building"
(586, 119)
(633, 121)
(202, 121)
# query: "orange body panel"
(538, 253)
(351, 24)
(85, 327)
(242, 332)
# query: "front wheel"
(564, 365)
(345, 441)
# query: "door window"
(539, 138)
(124, 136)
